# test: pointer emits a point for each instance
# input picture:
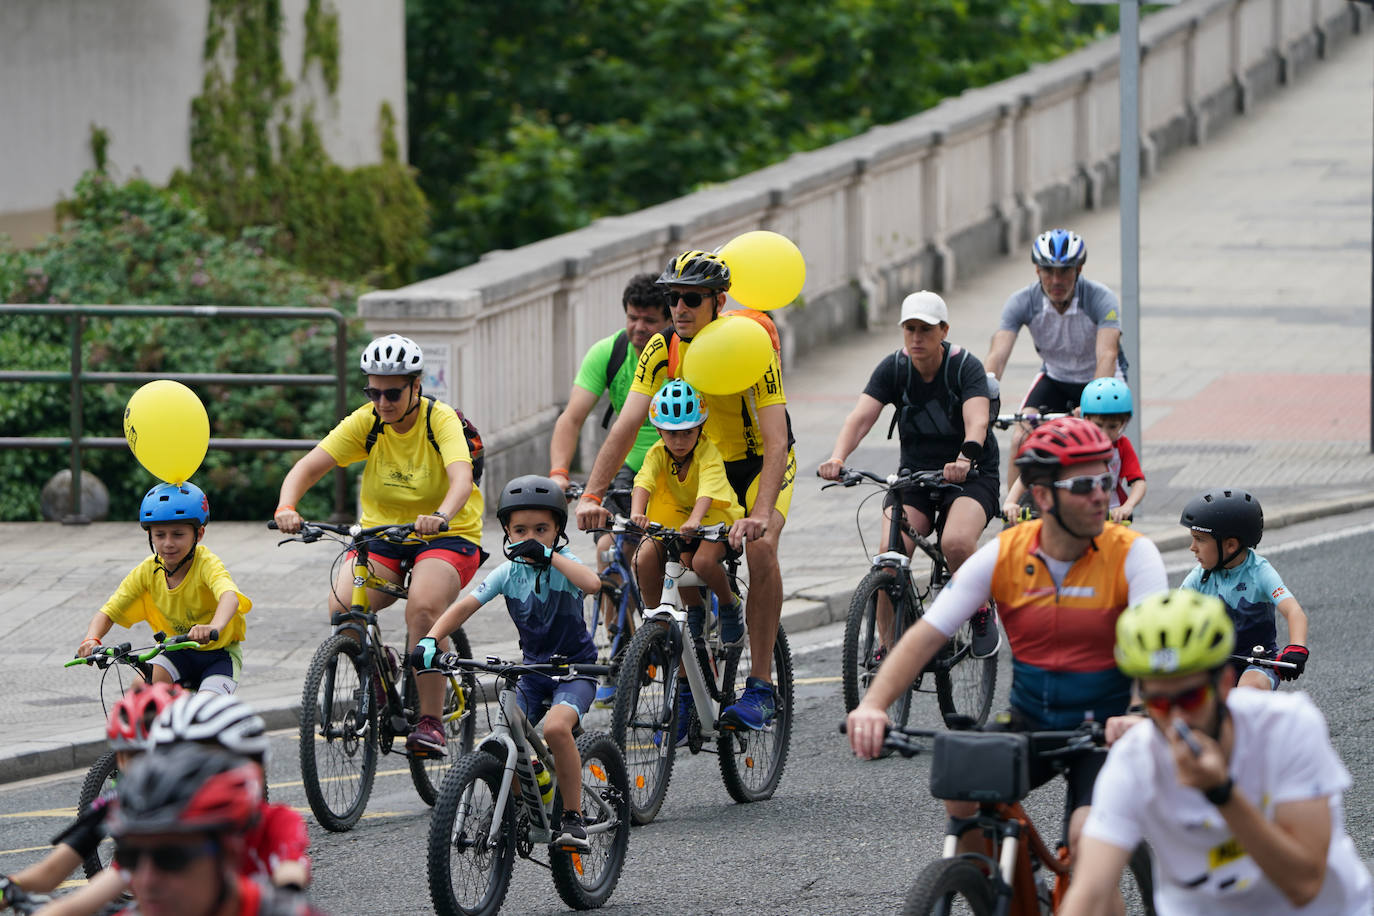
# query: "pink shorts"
(458, 552)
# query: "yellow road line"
(15, 852)
(47, 812)
(817, 680)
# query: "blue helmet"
(169, 502)
(1104, 396)
(1059, 248)
(677, 406)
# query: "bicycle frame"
(1004, 827)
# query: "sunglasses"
(164, 858)
(1190, 700)
(1082, 486)
(691, 300)
(375, 394)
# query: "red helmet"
(1061, 443)
(188, 788)
(133, 714)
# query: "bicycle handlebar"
(312, 531)
(1260, 656)
(575, 491)
(557, 668)
(1086, 738)
(1034, 418)
(928, 480)
(126, 654)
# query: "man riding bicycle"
(1060, 582)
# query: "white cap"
(924, 306)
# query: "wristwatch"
(1219, 795)
(442, 514)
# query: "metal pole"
(75, 516)
(1130, 208)
(341, 511)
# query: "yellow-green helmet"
(1177, 632)
(696, 268)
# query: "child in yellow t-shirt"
(182, 589)
(682, 484)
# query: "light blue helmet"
(1104, 396)
(677, 406)
(169, 502)
(1059, 248)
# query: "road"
(840, 836)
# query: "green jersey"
(592, 377)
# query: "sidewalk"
(1255, 367)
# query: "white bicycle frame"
(675, 577)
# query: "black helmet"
(1225, 513)
(188, 788)
(533, 492)
(696, 268)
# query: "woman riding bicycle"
(419, 469)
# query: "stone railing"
(904, 206)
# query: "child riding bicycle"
(1226, 525)
(182, 588)
(543, 583)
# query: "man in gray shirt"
(1074, 323)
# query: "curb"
(805, 611)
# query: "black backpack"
(901, 357)
(619, 350)
(470, 433)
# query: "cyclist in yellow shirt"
(419, 469)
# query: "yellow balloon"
(727, 356)
(766, 269)
(168, 429)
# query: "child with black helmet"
(543, 583)
(1226, 525)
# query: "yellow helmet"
(1177, 632)
(696, 268)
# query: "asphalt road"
(840, 835)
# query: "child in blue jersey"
(543, 584)
(1226, 525)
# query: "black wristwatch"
(1219, 795)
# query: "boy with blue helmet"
(182, 589)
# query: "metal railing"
(77, 441)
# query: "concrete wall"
(919, 203)
(132, 68)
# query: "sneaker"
(605, 696)
(732, 625)
(987, 639)
(427, 740)
(573, 831)
(684, 716)
(754, 709)
(696, 620)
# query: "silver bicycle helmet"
(392, 355)
(212, 718)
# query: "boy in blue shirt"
(1226, 525)
(543, 583)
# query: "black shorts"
(624, 480)
(983, 489)
(1052, 396)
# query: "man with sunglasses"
(752, 433)
(419, 469)
(1237, 792)
(1060, 582)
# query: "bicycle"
(14, 897)
(359, 697)
(1016, 874)
(492, 805)
(964, 685)
(644, 721)
(1031, 419)
(104, 773)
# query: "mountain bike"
(104, 773)
(964, 685)
(1016, 874)
(644, 722)
(360, 697)
(491, 805)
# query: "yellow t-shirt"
(405, 477)
(144, 596)
(733, 419)
(671, 500)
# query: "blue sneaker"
(754, 709)
(732, 625)
(684, 715)
(605, 696)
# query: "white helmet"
(392, 355)
(211, 717)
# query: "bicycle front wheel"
(863, 646)
(751, 762)
(459, 718)
(100, 778)
(964, 685)
(643, 722)
(469, 872)
(586, 879)
(338, 733)
(950, 887)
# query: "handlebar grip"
(272, 526)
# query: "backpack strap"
(898, 358)
(377, 426)
(619, 350)
(429, 424)
(956, 352)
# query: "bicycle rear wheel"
(459, 718)
(950, 887)
(99, 778)
(751, 762)
(586, 879)
(965, 685)
(468, 874)
(338, 733)
(643, 722)
(862, 642)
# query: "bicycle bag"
(981, 766)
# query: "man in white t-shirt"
(1237, 792)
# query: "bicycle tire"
(860, 638)
(459, 718)
(947, 887)
(338, 796)
(585, 880)
(645, 706)
(740, 751)
(470, 786)
(102, 775)
(965, 685)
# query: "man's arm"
(976, 416)
(612, 455)
(1097, 868)
(1108, 343)
(565, 432)
(999, 351)
(773, 426)
(856, 426)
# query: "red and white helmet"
(132, 715)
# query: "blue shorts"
(536, 694)
(1271, 673)
(201, 669)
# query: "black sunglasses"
(167, 858)
(375, 394)
(691, 300)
